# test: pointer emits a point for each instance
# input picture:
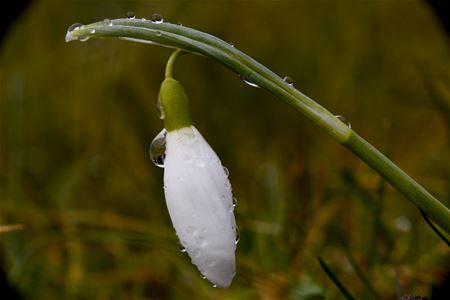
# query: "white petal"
(199, 199)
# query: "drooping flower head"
(198, 193)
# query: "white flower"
(199, 199)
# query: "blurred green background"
(76, 121)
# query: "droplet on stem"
(247, 81)
(158, 149)
(288, 80)
(344, 120)
(131, 15)
(75, 26)
(157, 19)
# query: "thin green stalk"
(171, 62)
(335, 280)
(191, 40)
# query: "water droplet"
(143, 19)
(203, 243)
(288, 80)
(181, 247)
(214, 285)
(75, 26)
(203, 276)
(158, 33)
(200, 163)
(107, 22)
(179, 24)
(236, 241)
(131, 15)
(244, 79)
(231, 44)
(234, 201)
(158, 149)
(225, 169)
(343, 120)
(83, 38)
(92, 31)
(157, 19)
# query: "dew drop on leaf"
(75, 26)
(343, 120)
(157, 19)
(247, 81)
(288, 80)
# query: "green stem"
(195, 41)
(171, 62)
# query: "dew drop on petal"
(244, 79)
(131, 15)
(288, 80)
(158, 149)
(236, 241)
(157, 19)
(234, 201)
(199, 162)
(227, 172)
(344, 120)
(214, 285)
(181, 247)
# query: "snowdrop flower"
(197, 191)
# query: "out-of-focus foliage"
(76, 121)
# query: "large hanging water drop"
(157, 19)
(244, 79)
(343, 120)
(158, 149)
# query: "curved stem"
(171, 62)
(198, 42)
